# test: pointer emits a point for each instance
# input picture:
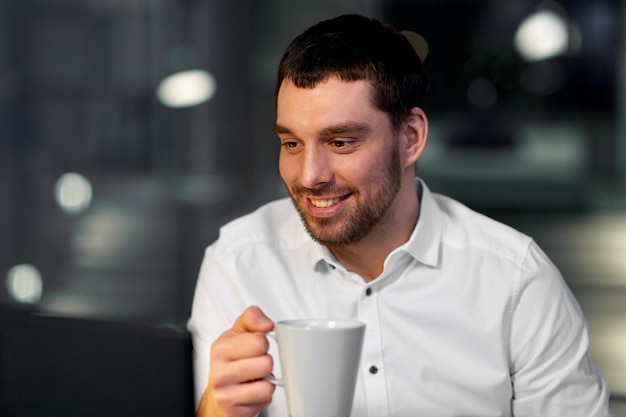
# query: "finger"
(244, 370)
(252, 396)
(253, 320)
(232, 346)
(256, 392)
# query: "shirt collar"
(424, 243)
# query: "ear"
(414, 136)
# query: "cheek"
(361, 171)
(285, 169)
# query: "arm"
(551, 370)
(224, 353)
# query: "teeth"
(325, 203)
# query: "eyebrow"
(278, 129)
(342, 128)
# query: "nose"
(316, 169)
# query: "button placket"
(372, 359)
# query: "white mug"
(320, 362)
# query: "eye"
(291, 146)
(343, 145)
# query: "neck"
(367, 256)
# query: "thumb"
(253, 320)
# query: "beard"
(370, 205)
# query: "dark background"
(77, 94)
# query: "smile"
(324, 203)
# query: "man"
(465, 316)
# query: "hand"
(239, 364)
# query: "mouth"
(325, 202)
(326, 207)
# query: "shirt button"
(368, 291)
(373, 370)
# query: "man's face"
(339, 159)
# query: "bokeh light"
(419, 44)
(24, 283)
(73, 193)
(186, 88)
(542, 35)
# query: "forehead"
(330, 101)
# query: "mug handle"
(272, 378)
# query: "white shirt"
(469, 317)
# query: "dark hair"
(353, 47)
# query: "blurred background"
(130, 130)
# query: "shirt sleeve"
(216, 305)
(551, 371)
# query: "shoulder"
(276, 223)
(465, 227)
(496, 253)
